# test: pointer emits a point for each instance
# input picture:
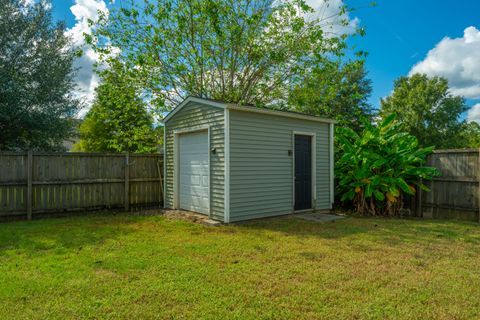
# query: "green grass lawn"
(139, 267)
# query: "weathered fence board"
(35, 183)
(455, 193)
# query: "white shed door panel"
(194, 172)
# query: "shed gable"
(195, 114)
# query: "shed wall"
(192, 115)
(261, 167)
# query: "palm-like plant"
(379, 166)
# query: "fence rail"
(456, 192)
(35, 183)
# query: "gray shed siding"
(192, 115)
(261, 168)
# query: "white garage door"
(194, 172)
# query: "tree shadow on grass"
(391, 231)
(33, 237)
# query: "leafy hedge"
(379, 165)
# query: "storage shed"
(235, 163)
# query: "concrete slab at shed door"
(194, 172)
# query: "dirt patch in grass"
(184, 216)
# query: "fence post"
(478, 178)
(29, 184)
(420, 210)
(160, 165)
(127, 183)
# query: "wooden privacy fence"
(34, 183)
(456, 192)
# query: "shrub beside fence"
(35, 183)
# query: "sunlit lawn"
(138, 267)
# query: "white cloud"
(474, 113)
(458, 60)
(86, 79)
(329, 13)
(83, 10)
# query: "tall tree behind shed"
(335, 90)
(427, 110)
(237, 51)
(37, 103)
(118, 120)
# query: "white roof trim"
(193, 99)
(215, 104)
(285, 114)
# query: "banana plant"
(379, 166)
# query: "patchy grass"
(150, 267)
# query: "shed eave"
(284, 114)
(236, 107)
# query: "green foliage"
(244, 51)
(470, 135)
(379, 165)
(337, 91)
(36, 72)
(118, 120)
(428, 111)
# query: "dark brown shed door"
(303, 172)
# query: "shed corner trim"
(226, 217)
(332, 165)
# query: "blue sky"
(441, 36)
(400, 33)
